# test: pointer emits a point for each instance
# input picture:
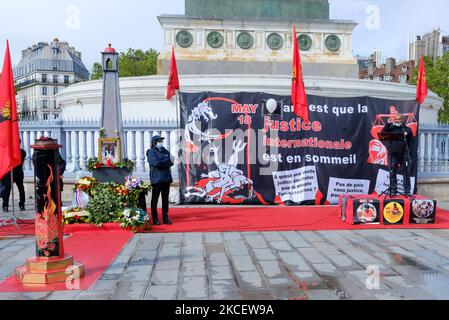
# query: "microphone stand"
(408, 159)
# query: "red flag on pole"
(422, 88)
(10, 153)
(173, 80)
(299, 97)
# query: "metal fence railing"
(79, 140)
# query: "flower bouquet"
(95, 164)
(85, 184)
(135, 183)
(138, 190)
(135, 220)
(76, 216)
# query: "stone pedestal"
(48, 271)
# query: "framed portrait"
(109, 149)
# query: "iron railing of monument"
(79, 140)
(433, 153)
(79, 137)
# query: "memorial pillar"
(51, 264)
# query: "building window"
(44, 78)
(404, 69)
(403, 78)
(55, 51)
(54, 104)
(56, 116)
(45, 116)
(66, 79)
(55, 65)
(44, 104)
(55, 90)
(55, 78)
(44, 91)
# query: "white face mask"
(397, 124)
(159, 145)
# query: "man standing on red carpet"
(160, 163)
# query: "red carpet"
(216, 219)
(226, 219)
(95, 250)
(26, 228)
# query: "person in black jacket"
(399, 153)
(160, 163)
(18, 177)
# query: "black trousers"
(400, 161)
(162, 189)
(6, 183)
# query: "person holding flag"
(10, 152)
(7, 184)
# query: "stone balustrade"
(79, 140)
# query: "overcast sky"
(90, 24)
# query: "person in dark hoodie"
(160, 163)
(399, 153)
(18, 177)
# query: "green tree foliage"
(97, 71)
(133, 63)
(438, 79)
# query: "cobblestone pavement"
(263, 266)
(329, 265)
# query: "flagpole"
(178, 123)
(178, 140)
(13, 200)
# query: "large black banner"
(250, 148)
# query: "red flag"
(173, 80)
(299, 97)
(422, 88)
(10, 153)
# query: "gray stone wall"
(268, 68)
(277, 9)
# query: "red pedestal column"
(51, 264)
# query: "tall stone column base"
(49, 271)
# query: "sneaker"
(5, 209)
(22, 208)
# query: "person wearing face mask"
(399, 153)
(160, 163)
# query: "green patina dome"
(274, 9)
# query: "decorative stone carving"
(275, 41)
(184, 38)
(333, 43)
(215, 39)
(245, 40)
(305, 42)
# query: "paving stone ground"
(325, 265)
